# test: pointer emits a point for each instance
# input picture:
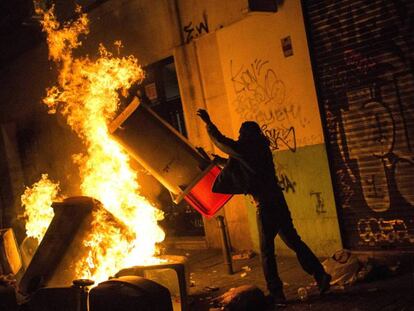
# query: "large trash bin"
(130, 293)
(53, 264)
(169, 157)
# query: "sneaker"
(324, 282)
(277, 299)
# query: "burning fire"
(37, 202)
(87, 95)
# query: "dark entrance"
(160, 92)
(363, 57)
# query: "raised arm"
(222, 142)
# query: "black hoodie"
(249, 169)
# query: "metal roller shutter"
(363, 58)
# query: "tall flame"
(87, 94)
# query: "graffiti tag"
(192, 31)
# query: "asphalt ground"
(210, 278)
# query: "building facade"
(331, 83)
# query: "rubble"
(211, 288)
(244, 254)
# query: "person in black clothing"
(250, 170)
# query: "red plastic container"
(203, 199)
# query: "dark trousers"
(273, 217)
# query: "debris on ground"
(245, 297)
(192, 282)
(243, 274)
(302, 293)
(343, 266)
(211, 288)
(247, 268)
(8, 280)
(244, 254)
(346, 269)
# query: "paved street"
(210, 279)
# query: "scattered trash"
(8, 280)
(346, 269)
(338, 287)
(211, 288)
(244, 254)
(214, 271)
(395, 268)
(243, 274)
(343, 267)
(246, 297)
(187, 254)
(302, 293)
(246, 268)
(285, 284)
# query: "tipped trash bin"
(169, 157)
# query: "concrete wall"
(277, 91)
(258, 82)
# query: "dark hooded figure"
(250, 170)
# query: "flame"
(37, 202)
(87, 95)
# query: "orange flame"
(37, 202)
(87, 94)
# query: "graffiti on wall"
(319, 202)
(373, 231)
(381, 150)
(278, 137)
(261, 96)
(284, 177)
(195, 30)
(367, 88)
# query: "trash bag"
(373, 270)
(343, 266)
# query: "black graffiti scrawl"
(261, 96)
(364, 65)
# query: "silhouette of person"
(250, 170)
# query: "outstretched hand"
(203, 114)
